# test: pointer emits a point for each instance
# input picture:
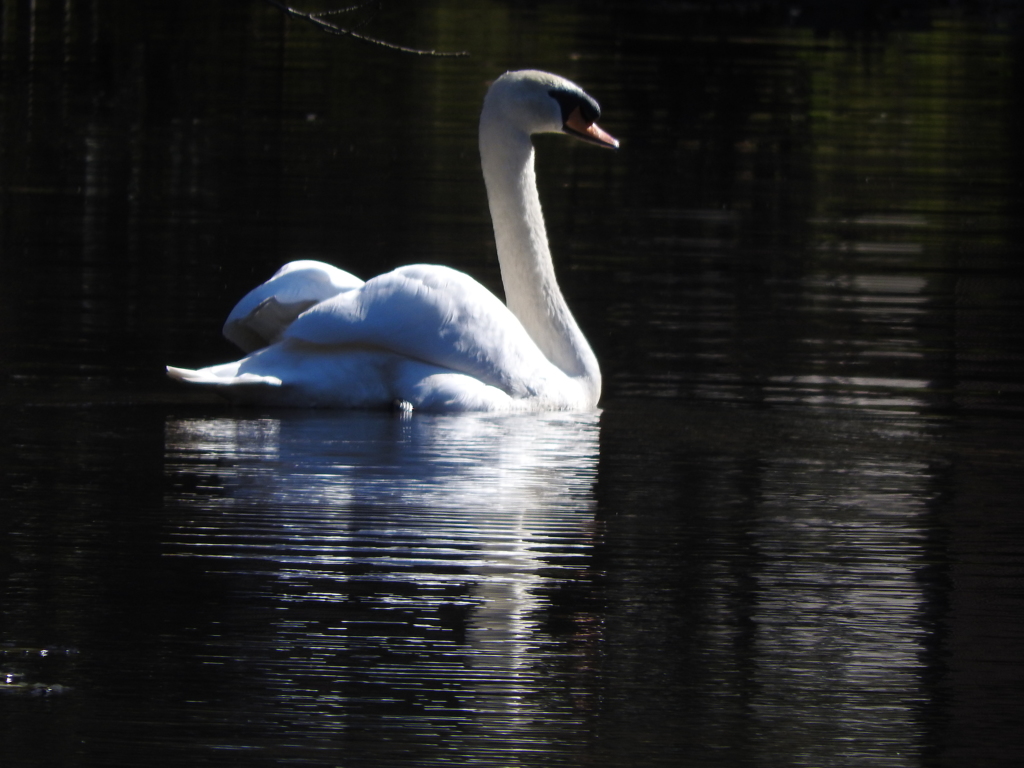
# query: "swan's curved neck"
(528, 274)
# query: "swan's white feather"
(424, 334)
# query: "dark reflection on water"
(797, 590)
(793, 536)
(843, 227)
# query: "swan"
(427, 337)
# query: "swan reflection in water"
(445, 531)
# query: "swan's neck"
(531, 289)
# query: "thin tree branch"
(317, 20)
(355, 7)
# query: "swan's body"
(429, 336)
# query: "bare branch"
(355, 7)
(317, 20)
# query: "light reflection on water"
(404, 559)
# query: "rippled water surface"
(793, 534)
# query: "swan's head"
(539, 102)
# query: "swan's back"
(436, 315)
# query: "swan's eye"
(570, 102)
(590, 111)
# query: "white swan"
(430, 337)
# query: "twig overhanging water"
(318, 21)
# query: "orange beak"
(578, 126)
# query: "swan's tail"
(217, 377)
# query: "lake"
(791, 536)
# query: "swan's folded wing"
(264, 324)
(439, 316)
(264, 313)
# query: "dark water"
(793, 536)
